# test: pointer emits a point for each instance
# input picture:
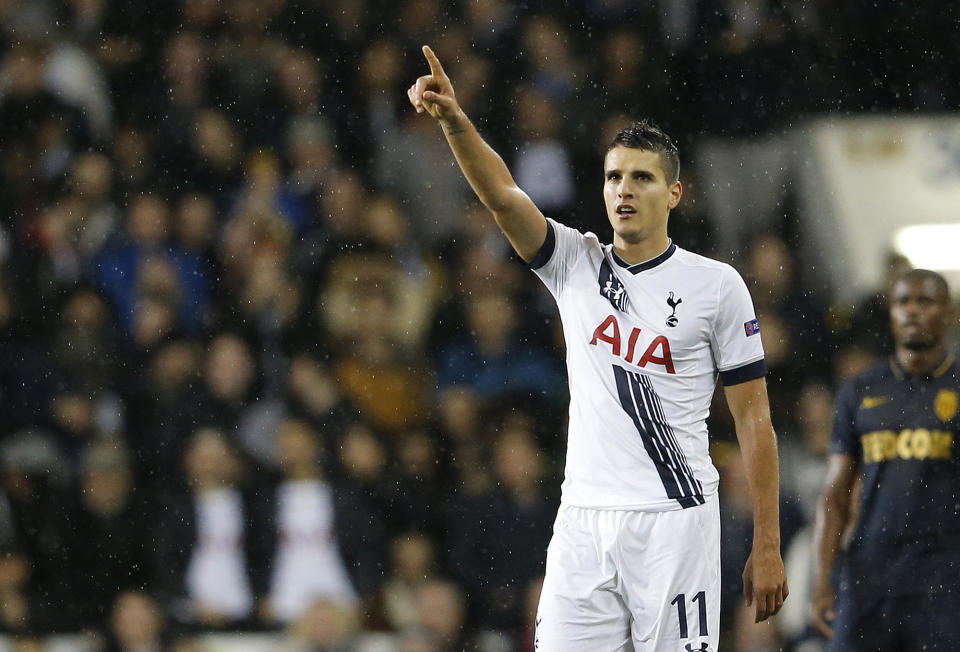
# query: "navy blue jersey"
(903, 432)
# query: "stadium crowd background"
(228, 248)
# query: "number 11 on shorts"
(681, 602)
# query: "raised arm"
(516, 214)
(833, 518)
(764, 577)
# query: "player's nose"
(912, 308)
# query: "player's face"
(637, 194)
(919, 313)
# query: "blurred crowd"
(266, 364)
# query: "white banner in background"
(867, 179)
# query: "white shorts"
(626, 580)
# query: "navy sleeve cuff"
(742, 374)
(546, 249)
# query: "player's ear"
(676, 191)
(951, 313)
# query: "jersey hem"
(745, 373)
(667, 505)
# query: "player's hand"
(765, 582)
(822, 610)
(433, 93)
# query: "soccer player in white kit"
(634, 562)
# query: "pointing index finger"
(435, 68)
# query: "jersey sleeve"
(735, 336)
(844, 439)
(558, 254)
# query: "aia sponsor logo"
(657, 352)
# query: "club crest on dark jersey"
(672, 320)
(611, 287)
(946, 404)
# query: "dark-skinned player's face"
(637, 195)
(920, 313)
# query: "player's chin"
(914, 337)
(629, 234)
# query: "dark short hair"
(643, 134)
(923, 275)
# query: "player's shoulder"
(707, 273)
(708, 265)
(568, 234)
(952, 369)
(878, 373)
(561, 228)
(946, 375)
(564, 245)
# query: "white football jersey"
(645, 343)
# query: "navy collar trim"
(636, 268)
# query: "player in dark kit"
(897, 425)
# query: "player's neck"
(920, 362)
(642, 251)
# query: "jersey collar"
(636, 268)
(937, 371)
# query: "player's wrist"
(767, 545)
(455, 123)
